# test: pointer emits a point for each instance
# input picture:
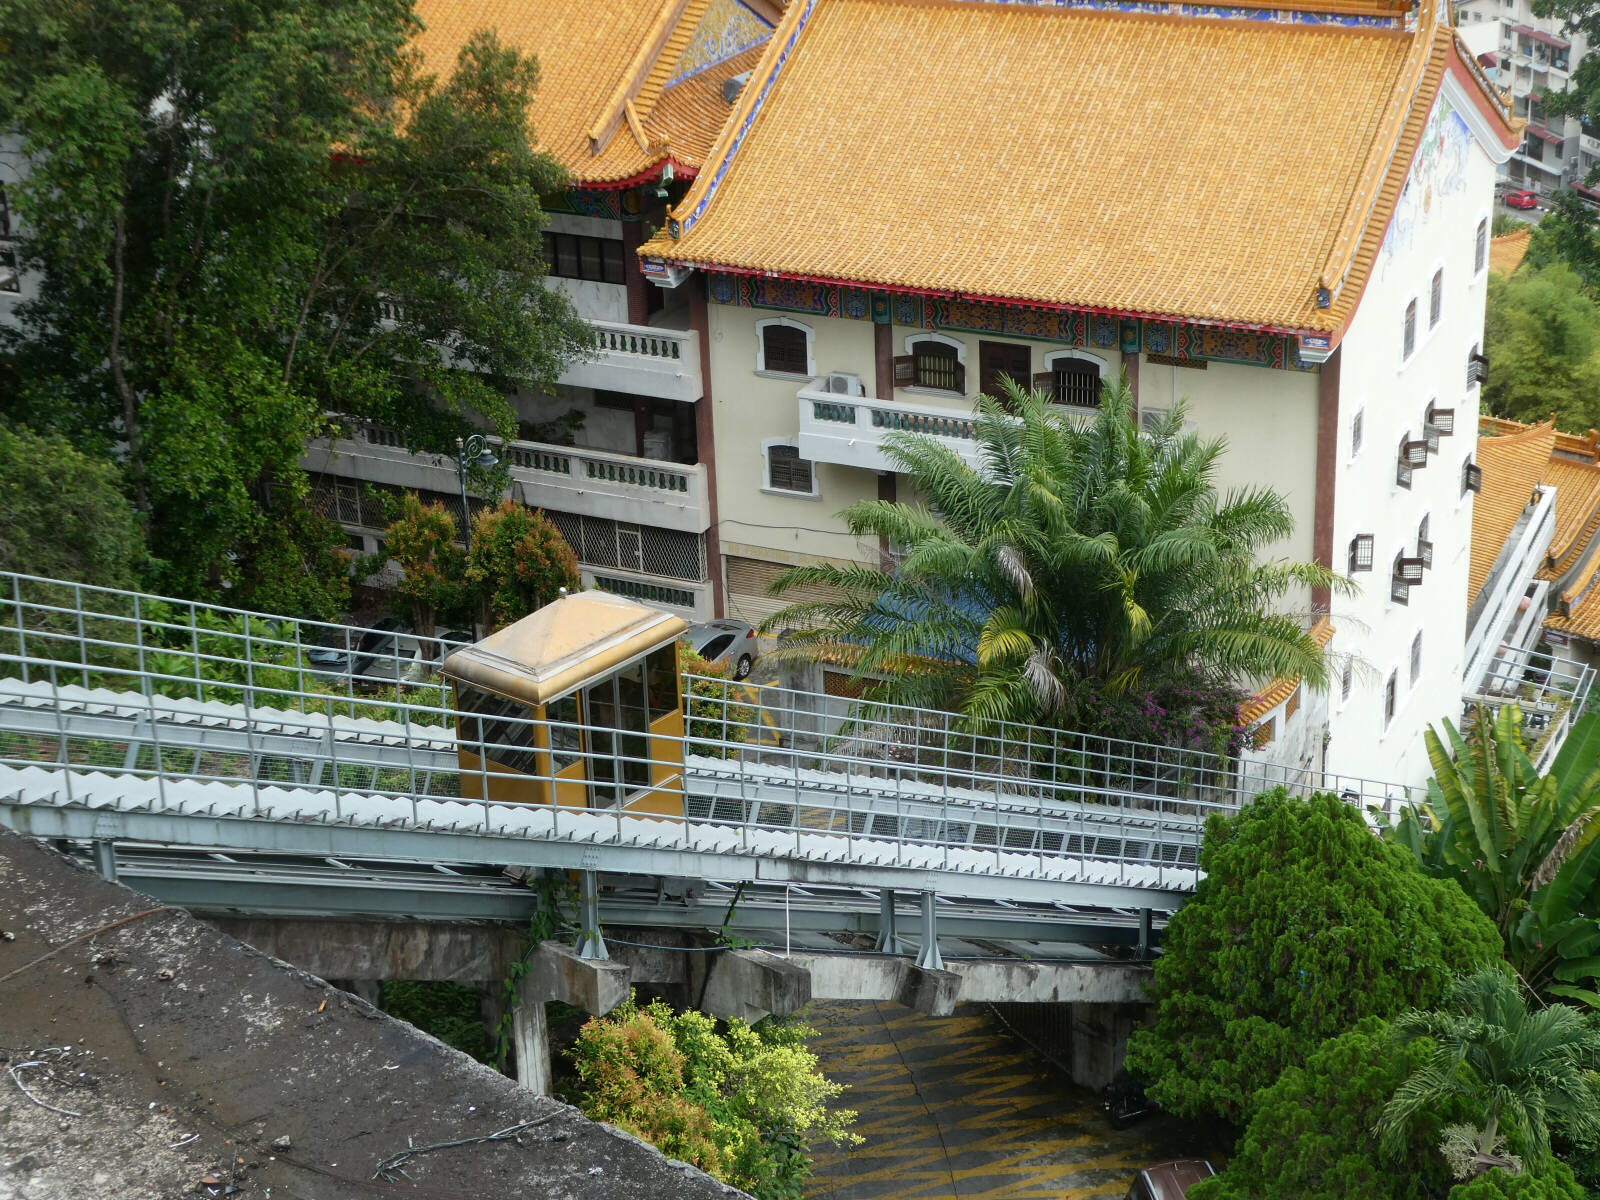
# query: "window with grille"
(788, 472)
(1390, 690)
(1265, 732)
(574, 256)
(603, 542)
(1410, 336)
(1477, 368)
(1075, 382)
(1361, 553)
(1436, 298)
(1357, 424)
(1416, 658)
(932, 364)
(1425, 541)
(1471, 477)
(1480, 247)
(1347, 680)
(784, 350)
(1291, 705)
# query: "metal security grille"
(603, 542)
(783, 349)
(1077, 383)
(348, 503)
(787, 471)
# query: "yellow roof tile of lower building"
(1578, 610)
(1577, 487)
(1073, 157)
(1512, 464)
(1280, 689)
(1507, 251)
(596, 60)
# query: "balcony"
(641, 360)
(596, 483)
(850, 430)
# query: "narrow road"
(952, 1107)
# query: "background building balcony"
(573, 479)
(642, 360)
(850, 430)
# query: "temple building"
(914, 198)
(632, 95)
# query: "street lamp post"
(472, 452)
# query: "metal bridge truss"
(131, 718)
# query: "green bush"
(1304, 924)
(519, 562)
(1311, 1136)
(1556, 1183)
(63, 514)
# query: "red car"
(1520, 200)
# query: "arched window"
(1409, 339)
(1075, 378)
(1436, 298)
(932, 363)
(1480, 248)
(783, 347)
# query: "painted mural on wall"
(1093, 330)
(1440, 170)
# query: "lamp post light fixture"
(472, 452)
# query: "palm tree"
(1066, 560)
(1525, 846)
(1530, 1071)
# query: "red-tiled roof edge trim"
(1006, 301)
(680, 170)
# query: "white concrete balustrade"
(597, 483)
(642, 360)
(850, 430)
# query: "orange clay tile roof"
(1578, 612)
(1507, 251)
(1129, 162)
(1577, 487)
(1281, 688)
(596, 63)
(1513, 465)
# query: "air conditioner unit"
(845, 383)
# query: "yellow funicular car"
(576, 704)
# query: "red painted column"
(638, 286)
(1327, 473)
(705, 436)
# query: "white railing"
(641, 359)
(1494, 610)
(596, 483)
(850, 430)
(688, 599)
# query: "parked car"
(390, 652)
(1169, 1180)
(725, 641)
(1520, 199)
(1125, 1101)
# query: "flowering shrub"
(741, 1104)
(519, 561)
(1186, 711)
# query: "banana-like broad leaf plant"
(1525, 846)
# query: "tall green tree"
(1532, 1072)
(519, 562)
(1067, 560)
(244, 216)
(422, 539)
(1305, 923)
(1524, 846)
(63, 514)
(1542, 336)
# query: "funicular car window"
(566, 739)
(500, 727)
